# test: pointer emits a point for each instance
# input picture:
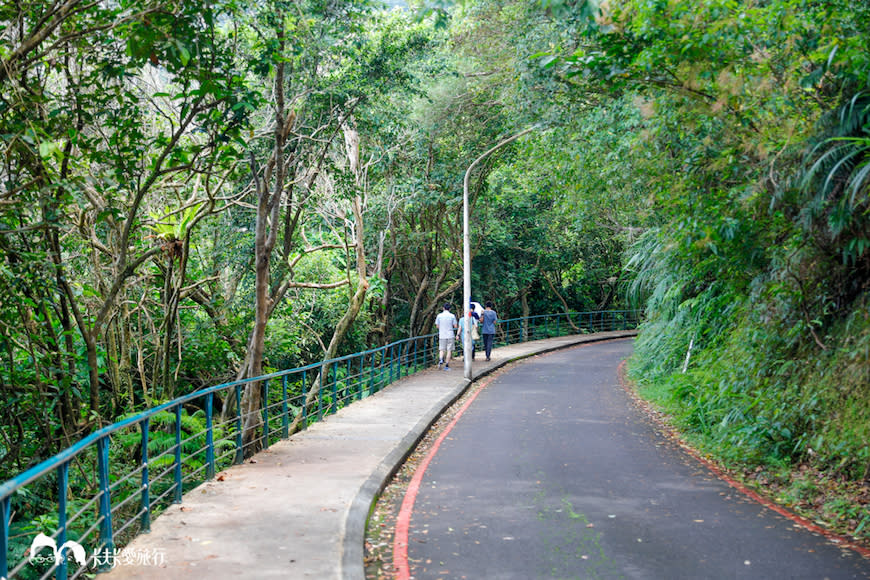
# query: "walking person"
(488, 320)
(446, 323)
(475, 334)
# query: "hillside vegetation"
(755, 278)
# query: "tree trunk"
(93, 370)
(354, 307)
(358, 299)
(562, 301)
(265, 235)
(414, 323)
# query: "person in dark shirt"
(488, 320)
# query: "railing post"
(381, 368)
(401, 350)
(347, 382)
(334, 371)
(106, 536)
(266, 414)
(62, 485)
(386, 368)
(373, 372)
(425, 352)
(389, 367)
(178, 487)
(401, 346)
(5, 514)
(360, 382)
(285, 414)
(304, 399)
(320, 392)
(209, 436)
(145, 521)
(240, 452)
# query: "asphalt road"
(552, 472)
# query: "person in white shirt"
(475, 334)
(446, 323)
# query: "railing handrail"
(340, 389)
(48, 465)
(567, 314)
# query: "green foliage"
(779, 405)
(169, 227)
(837, 185)
(751, 142)
(707, 161)
(161, 441)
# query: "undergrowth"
(790, 416)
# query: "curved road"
(553, 473)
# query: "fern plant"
(838, 181)
(161, 441)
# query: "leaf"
(549, 61)
(51, 149)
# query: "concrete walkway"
(299, 509)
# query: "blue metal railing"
(543, 326)
(127, 472)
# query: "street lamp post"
(466, 253)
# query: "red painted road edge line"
(842, 541)
(403, 521)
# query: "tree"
(82, 167)
(304, 157)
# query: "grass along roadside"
(833, 503)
